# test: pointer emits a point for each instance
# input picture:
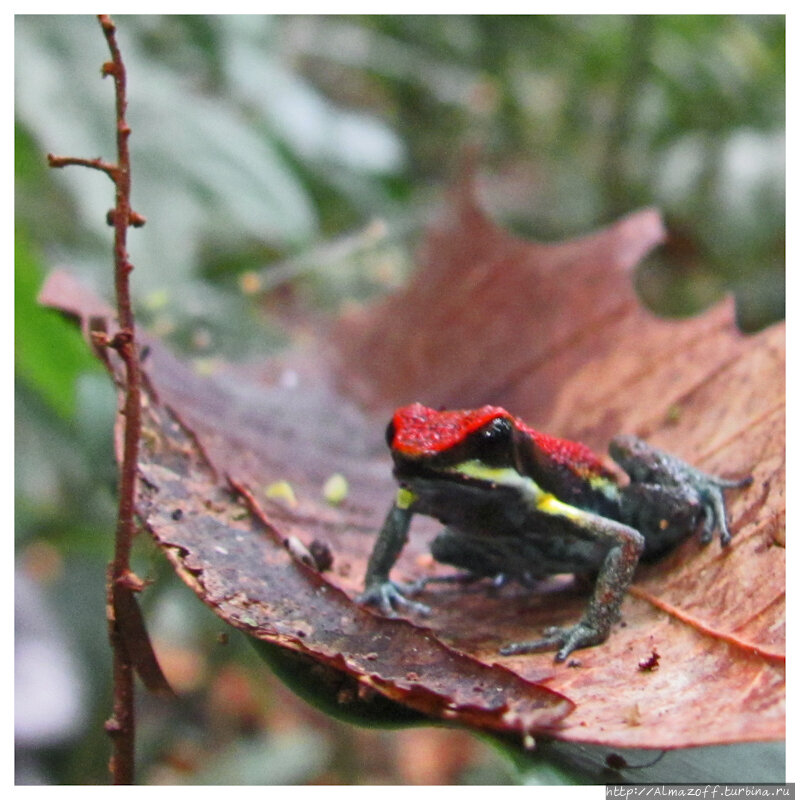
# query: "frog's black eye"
(495, 441)
(390, 434)
(498, 428)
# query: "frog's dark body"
(492, 535)
(520, 504)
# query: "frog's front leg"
(615, 576)
(379, 589)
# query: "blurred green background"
(287, 166)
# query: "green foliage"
(50, 353)
(256, 138)
(589, 118)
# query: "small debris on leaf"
(299, 551)
(322, 555)
(335, 489)
(634, 716)
(650, 663)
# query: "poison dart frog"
(521, 505)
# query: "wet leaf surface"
(234, 466)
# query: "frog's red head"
(423, 439)
(417, 431)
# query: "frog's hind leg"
(663, 518)
(625, 546)
(499, 580)
(478, 556)
(714, 504)
(649, 467)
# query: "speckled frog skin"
(521, 505)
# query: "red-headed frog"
(520, 505)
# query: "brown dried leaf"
(556, 334)
(211, 447)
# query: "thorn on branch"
(100, 339)
(107, 23)
(135, 220)
(121, 340)
(130, 580)
(112, 726)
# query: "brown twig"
(123, 614)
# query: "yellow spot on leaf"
(281, 490)
(335, 489)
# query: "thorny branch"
(129, 641)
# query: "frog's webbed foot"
(389, 596)
(565, 640)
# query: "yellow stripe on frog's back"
(550, 504)
(537, 497)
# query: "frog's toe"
(379, 597)
(412, 606)
(415, 587)
(707, 534)
(580, 635)
(738, 483)
(565, 640)
(715, 516)
(389, 597)
(724, 533)
(551, 642)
